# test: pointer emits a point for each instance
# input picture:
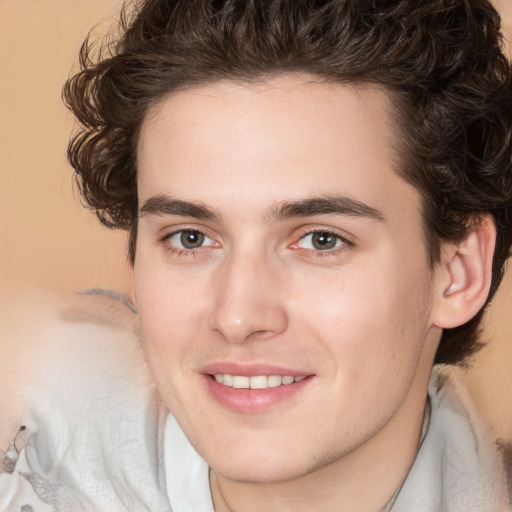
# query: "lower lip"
(252, 400)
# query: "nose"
(249, 302)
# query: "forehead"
(290, 136)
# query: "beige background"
(48, 241)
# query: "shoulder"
(92, 419)
(458, 466)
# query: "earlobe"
(464, 276)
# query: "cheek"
(372, 323)
(170, 312)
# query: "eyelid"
(347, 241)
(176, 230)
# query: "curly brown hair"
(441, 62)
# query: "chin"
(263, 462)
(257, 472)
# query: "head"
(422, 87)
(447, 80)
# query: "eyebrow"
(165, 205)
(162, 205)
(325, 205)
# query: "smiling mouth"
(256, 381)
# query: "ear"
(463, 278)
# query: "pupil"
(323, 241)
(192, 239)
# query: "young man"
(319, 197)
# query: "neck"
(365, 479)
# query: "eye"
(321, 241)
(189, 239)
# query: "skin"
(358, 318)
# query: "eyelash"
(165, 241)
(346, 244)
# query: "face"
(281, 275)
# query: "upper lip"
(250, 369)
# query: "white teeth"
(240, 381)
(274, 380)
(257, 381)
